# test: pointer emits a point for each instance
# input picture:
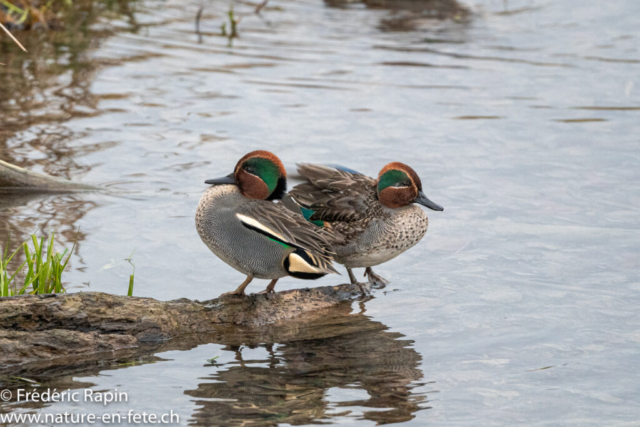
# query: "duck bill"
(423, 200)
(229, 179)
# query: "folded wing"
(312, 251)
(334, 193)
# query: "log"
(306, 357)
(36, 328)
(17, 179)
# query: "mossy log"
(17, 179)
(36, 328)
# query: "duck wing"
(278, 223)
(334, 193)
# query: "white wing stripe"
(254, 223)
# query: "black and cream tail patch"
(304, 265)
(300, 263)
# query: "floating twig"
(261, 6)
(198, 16)
(12, 38)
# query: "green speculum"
(284, 245)
(392, 178)
(307, 213)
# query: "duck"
(372, 221)
(241, 221)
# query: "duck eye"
(403, 184)
(250, 170)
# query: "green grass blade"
(17, 271)
(27, 283)
(11, 257)
(6, 251)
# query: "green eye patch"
(393, 178)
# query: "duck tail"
(304, 264)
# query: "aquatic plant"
(233, 25)
(44, 268)
(25, 13)
(5, 279)
(54, 14)
(133, 274)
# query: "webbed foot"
(240, 290)
(270, 288)
(377, 281)
(365, 288)
(236, 292)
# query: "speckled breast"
(385, 238)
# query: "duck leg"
(241, 288)
(364, 287)
(270, 287)
(374, 279)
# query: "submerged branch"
(17, 179)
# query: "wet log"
(41, 327)
(17, 179)
(336, 347)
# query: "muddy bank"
(34, 328)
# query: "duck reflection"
(342, 365)
(411, 15)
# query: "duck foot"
(236, 293)
(240, 290)
(377, 281)
(270, 288)
(269, 294)
(365, 288)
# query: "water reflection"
(330, 366)
(311, 374)
(411, 15)
(42, 90)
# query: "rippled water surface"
(521, 117)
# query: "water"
(522, 119)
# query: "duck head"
(398, 185)
(258, 175)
